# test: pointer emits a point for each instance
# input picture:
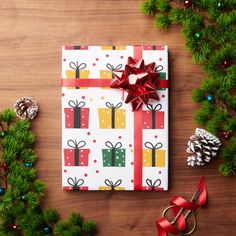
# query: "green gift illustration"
(114, 155)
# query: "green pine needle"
(209, 28)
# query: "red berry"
(187, 3)
(5, 166)
(226, 134)
(226, 63)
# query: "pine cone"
(26, 108)
(202, 146)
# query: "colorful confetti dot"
(83, 97)
(97, 59)
(155, 136)
(88, 133)
(160, 59)
(132, 180)
(132, 163)
(163, 95)
(85, 175)
(90, 99)
(65, 171)
(95, 161)
(130, 145)
(62, 94)
(94, 140)
(64, 59)
(97, 171)
(121, 57)
(102, 97)
(119, 137)
(94, 64)
(107, 55)
(159, 172)
(131, 150)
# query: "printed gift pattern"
(153, 118)
(152, 156)
(77, 116)
(107, 146)
(112, 117)
(76, 156)
(112, 186)
(114, 155)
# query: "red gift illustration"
(75, 156)
(153, 185)
(153, 118)
(77, 116)
(75, 184)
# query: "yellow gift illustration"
(108, 74)
(112, 186)
(112, 117)
(77, 71)
(152, 156)
(113, 47)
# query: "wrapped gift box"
(153, 118)
(112, 117)
(114, 155)
(126, 148)
(152, 156)
(77, 116)
(76, 156)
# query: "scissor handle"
(190, 212)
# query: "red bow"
(138, 81)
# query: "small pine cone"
(26, 108)
(202, 146)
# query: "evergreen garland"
(20, 191)
(209, 27)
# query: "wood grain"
(31, 36)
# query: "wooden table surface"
(31, 36)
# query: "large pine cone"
(202, 146)
(26, 108)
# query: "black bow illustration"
(111, 184)
(154, 184)
(113, 68)
(76, 184)
(159, 68)
(77, 67)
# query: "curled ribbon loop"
(110, 145)
(76, 104)
(159, 68)
(149, 145)
(111, 184)
(154, 108)
(77, 66)
(75, 183)
(112, 106)
(112, 67)
(75, 144)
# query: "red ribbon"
(164, 226)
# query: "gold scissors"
(188, 214)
